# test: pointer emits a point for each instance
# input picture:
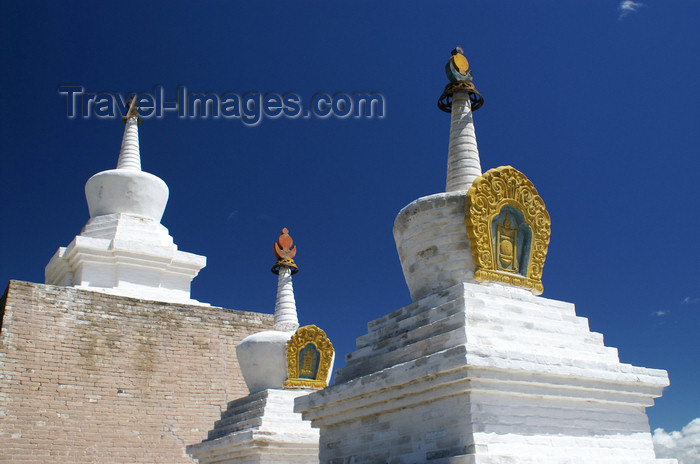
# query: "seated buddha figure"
(511, 241)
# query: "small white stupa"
(479, 369)
(278, 366)
(123, 249)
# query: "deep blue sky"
(601, 113)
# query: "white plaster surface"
(126, 191)
(285, 306)
(485, 373)
(260, 429)
(123, 249)
(463, 164)
(263, 355)
(263, 359)
(130, 153)
(126, 255)
(433, 245)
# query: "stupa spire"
(285, 306)
(278, 366)
(123, 249)
(460, 98)
(129, 154)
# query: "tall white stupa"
(278, 366)
(123, 249)
(479, 369)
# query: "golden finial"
(285, 253)
(457, 67)
(133, 111)
(460, 76)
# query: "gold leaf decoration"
(486, 198)
(301, 338)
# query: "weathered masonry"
(89, 377)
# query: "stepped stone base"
(126, 255)
(261, 428)
(485, 374)
(547, 460)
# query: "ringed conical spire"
(123, 249)
(130, 154)
(460, 98)
(262, 356)
(285, 306)
(127, 189)
(430, 232)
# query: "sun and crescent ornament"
(461, 80)
(508, 228)
(285, 253)
(457, 67)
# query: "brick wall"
(93, 378)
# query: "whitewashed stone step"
(532, 319)
(431, 301)
(260, 428)
(503, 324)
(402, 338)
(492, 331)
(542, 459)
(525, 336)
(221, 430)
(585, 341)
(541, 311)
(241, 417)
(410, 352)
(508, 378)
(404, 323)
(398, 326)
(549, 344)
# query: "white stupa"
(479, 369)
(262, 428)
(123, 249)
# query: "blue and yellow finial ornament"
(457, 68)
(461, 80)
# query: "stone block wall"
(485, 374)
(87, 377)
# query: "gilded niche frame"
(486, 198)
(309, 334)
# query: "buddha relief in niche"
(309, 357)
(512, 239)
(508, 228)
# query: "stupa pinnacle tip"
(285, 251)
(133, 112)
(461, 80)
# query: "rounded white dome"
(126, 191)
(263, 359)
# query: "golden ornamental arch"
(508, 227)
(309, 371)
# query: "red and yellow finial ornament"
(285, 253)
